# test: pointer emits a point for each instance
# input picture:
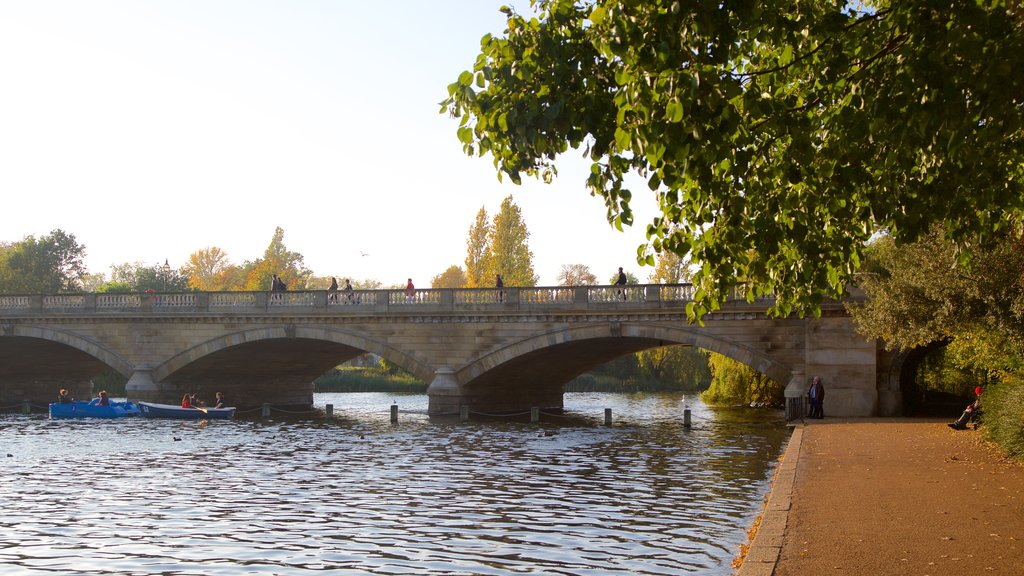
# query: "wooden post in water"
(265, 411)
(607, 416)
(463, 413)
(26, 407)
(535, 414)
(394, 413)
(329, 411)
(686, 418)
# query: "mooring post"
(463, 413)
(607, 416)
(265, 411)
(329, 411)
(394, 413)
(26, 407)
(535, 414)
(686, 418)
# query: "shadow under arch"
(595, 344)
(94, 349)
(343, 338)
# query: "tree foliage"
(453, 277)
(733, 383)
(209, 270)
(478, 251)
(277, 259)
(510, 247)
(576, 275)
(671, 269)
(138, 277)
(777, 137)
(47, 265)
(917, 295)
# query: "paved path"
(890, 496)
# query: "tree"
(137, 277)
(47, 265)
(478, 251)
(735, 383)
(670, 269)
(207, 269)
(510, 250)
(777, 137)
(453, 277)
(576, 275)
(277, 259)
(916, 296)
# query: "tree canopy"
(44, 265)
(778, 137)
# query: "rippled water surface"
(360, 495)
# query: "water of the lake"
(360, 495)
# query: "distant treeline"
(368, 379)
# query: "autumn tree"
(453, 277)
(510, 250)
(576, 275)
(670, 269)
(277, 259)
(478, 251)
(777, 137)
(46, 265)
(207, 270)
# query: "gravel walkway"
(890, 496)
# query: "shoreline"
(762, 552)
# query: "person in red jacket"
(970, 412)
(186, 401)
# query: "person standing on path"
(499, 284)
(816, 399)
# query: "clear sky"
(152, 129)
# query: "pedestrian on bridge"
(621, 281)
(410, 292)
(332, 292)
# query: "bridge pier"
(140, 386)
(794, 394)
(444, 395)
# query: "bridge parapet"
(504, 300)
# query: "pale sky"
(151, 129)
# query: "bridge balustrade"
(362, 301)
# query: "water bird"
(177, 439)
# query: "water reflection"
(359, 495)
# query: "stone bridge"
(490, 350)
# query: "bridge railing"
(396, 301)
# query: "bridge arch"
(408, 362)
(90, 347)
(655, 334)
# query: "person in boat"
(64, 398)
(186, 401)
(196, 402)
(103, 400)
(219, 402)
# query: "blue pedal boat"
(151, 410)
(84, 409)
